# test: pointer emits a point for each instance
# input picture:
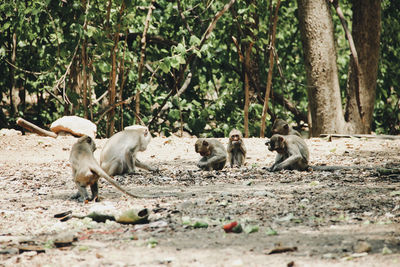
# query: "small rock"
(362, 247)
(74, 125)
(65, 239)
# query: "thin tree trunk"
(271, 67)
(122, 78)
(246, 90)
(84, 65)
(113, 78)
(12, 73)
(142, 56)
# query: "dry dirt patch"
(327, 216)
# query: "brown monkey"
(283, 128)
(86, 171)
(236, 148)
(119, 153)
(213, 154)
(292, 152)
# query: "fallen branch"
(368, 136)
(35, 129)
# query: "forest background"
(203, 67)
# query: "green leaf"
(174, 114)
(165, 66)
(181, 49)
(194, 41)
(175, 62)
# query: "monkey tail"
(336, 168)
(113, 182)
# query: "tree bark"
(366, 33)
(323, 90)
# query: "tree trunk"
(246, 89)
(366, 35)
(323, 90)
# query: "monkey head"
(202, 147)
(144, 135)
(89, 140)
(280, 127)
(235, 137)
(277, 143)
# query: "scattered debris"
(281, 250)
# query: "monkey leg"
(114, 168)
(95, 191)
(130, 159)
(291, 163)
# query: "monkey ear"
(88, 139)
(280, 138)
(205, 143)
(146, 132)
(286, 126)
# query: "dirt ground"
(341, 218)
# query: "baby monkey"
(282, 127)
(292, 152)
(86, 171)
(213, 154)
(236, 149)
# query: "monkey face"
(89, 141)
(202, 147)
(277, 143)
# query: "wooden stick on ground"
(368, 136)
(35, 129)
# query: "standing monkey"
(86, 171)
(119, 153)
(213, 154)
(292, 152)
(283, 128)
(236, 149)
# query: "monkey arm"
(130, 158)
(145, 166)
(290, 163)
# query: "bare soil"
(341, 218)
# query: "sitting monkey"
(119, 153)
(213, 154)
(283, 128)
(236, 149)
(292, 152)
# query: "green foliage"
(49, 62)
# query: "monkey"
(283, 128)
(213, 154)
(86, 171)
(236, 149)
(119, 153)
(292, 152)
